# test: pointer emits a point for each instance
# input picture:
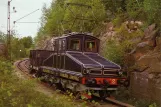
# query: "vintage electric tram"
(74, 63)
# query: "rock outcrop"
(147, 54)
(147, 60)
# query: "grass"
(15, 92)
(123, 94)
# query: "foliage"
(152, 9)
(122, 43)
(95, 13)
(115, 6)
(113, 52)
(15, 92)
(2, 37)
(20, 47)
(135, 9)
(26, 41)
(124, 33)
(124, 95)
(118, 20)
(62, 17)
(153, 105)
(146, 11)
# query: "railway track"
(23, 66)
(115, 102)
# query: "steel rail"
(122, 104)
(18, 65)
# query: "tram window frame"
(95, 47)
(74, 39)
(54, 45)
(63, 45)
(59, 45)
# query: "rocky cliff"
(146, 55)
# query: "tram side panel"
(72, 65)
(39, 57)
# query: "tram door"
(60, 54)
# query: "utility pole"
(9, 35)
(9, 29)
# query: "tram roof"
(74, 34)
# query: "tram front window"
(90, 46)
(74, 44)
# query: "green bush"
(15, 92)
(113, 52)
(121, 44)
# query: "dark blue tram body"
(75, 63)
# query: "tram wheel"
(38, 74)
(32, 71)
(103, 94)
(59, 86)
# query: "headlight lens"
(86, 71)
(120, 73)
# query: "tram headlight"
(120, 73)
(86, 71)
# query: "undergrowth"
(15, 92)
(124, 95)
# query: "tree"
(20, 47)
(86, 14)
(2, 37)
(114, 6)
(26, 41)
(61, 17)
(135, 9)
(152, 9)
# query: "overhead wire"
(27, 22)
(26, 15)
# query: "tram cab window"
(74, 44)
(63, 45)
(60, 45)
(53, 47)
(90, 46)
